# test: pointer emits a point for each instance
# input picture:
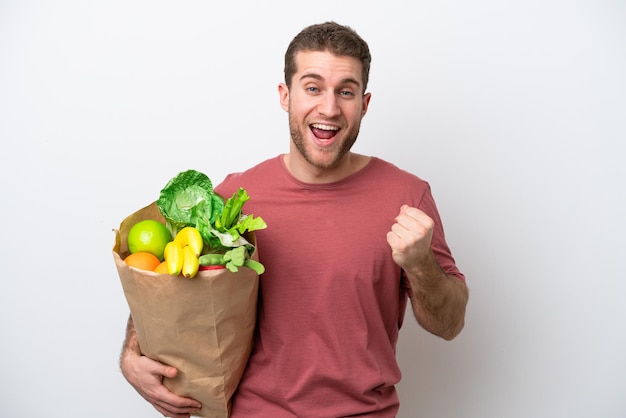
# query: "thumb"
(160, 369)
(169, 371)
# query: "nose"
(329, 105)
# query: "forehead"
(328, 67)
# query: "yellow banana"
(173, 255)
(190, 262)
(190, 236)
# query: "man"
(350, 238)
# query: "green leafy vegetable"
(232, 260)
(188, 199)
(229, 227)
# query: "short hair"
(330, 36)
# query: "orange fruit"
(148, 235)
(143, 260)
(161, 268)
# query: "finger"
(174, 410)
(414, 214)
(411, 211)
(392, 239)
(405, 221)
(171, 414)
(166, 401)
(169, 371)
(396, 242)
(159, 369)
(416, 223)
(174, 403)
(401, 228)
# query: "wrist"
(425, 268)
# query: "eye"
(312, 89)
(346, 93)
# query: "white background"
(514, 111)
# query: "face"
(325, 105)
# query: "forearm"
(146, 376)
(438, 300)
(131, 344)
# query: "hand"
(146, 376)
(410, 238)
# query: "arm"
(438, 300)
(146, 376)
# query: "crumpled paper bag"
(203, 326)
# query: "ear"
(366, 103)
(283, 93)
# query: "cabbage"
(188, 199)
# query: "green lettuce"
(188, 199)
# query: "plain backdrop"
(514, 111)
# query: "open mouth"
(324, 132)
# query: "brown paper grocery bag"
(203, 326)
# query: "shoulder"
(398, 185)
(390, 168)
(392, 174)
(251, 177)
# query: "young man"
(350, 239)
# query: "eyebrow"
(316, 76)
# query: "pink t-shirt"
(332, 300)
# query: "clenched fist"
(410, 238)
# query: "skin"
(326, 104)
(146, 376)
(438, 300)
(325, 91)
